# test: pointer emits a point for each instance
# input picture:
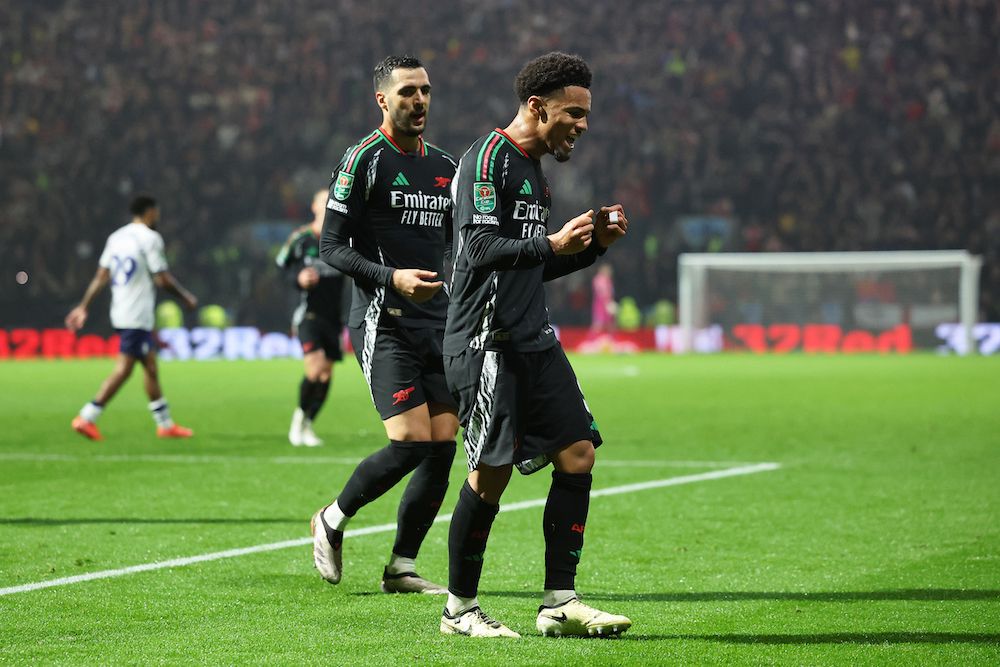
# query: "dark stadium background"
(720, 124)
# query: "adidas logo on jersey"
(400, 179)
(526, 188)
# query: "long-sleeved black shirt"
(301, 250)
(502, 257)
(389, 209)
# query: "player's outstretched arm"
(78, 316)
(416, 284)
(165, 281)
(574, 236)
(610, 225)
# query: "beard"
(401, 120)
(560, 155)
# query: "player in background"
(520, 402)
(133, 262)
(317, 320)
(602, 306)
(388, 226)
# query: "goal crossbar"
(692, 269)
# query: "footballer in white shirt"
(133, 262)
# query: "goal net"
(829, 301)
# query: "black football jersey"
(502, 257)
(389, 209)
(301, 250)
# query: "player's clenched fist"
(574, 236)
(416, 284)
(610, 225)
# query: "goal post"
(858, 301)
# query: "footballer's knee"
(323, 372)
(577, 458)
(489, 482)
(414, 425)
(444, 422)
(317, 367)
(123, 368)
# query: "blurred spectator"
(847, 125)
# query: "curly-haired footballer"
(519, 400)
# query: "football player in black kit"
(317, 320)
(388, 226)
(520, 403)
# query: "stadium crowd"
(841, 125)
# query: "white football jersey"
(133, 254)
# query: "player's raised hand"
(76, 319)
(611, 224)
(417, 285)
(574, 236)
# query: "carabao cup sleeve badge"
(485, 197)
(343, 187)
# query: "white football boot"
(409, 582)
(295, 430)
(474, 623)
(309, 438)
(574, 618)
(328, 548)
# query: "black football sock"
(378, 473)
(564, 521)
(317, 396)
(423, 497)
(470, 528)
(305, 395)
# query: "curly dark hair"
(553, 71)
(383, 71)
(140, 205)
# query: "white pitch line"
(172, 458)
(308, 460)
(512, 507)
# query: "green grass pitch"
(876, 541)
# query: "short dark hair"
(383, 71)
(547, 74)
(141, 204)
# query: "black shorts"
(319, 333)
(517, 407)
(403, 367)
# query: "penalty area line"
(384, 528)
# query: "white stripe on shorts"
(372, 316)
(482, 412)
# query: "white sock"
(554, 598)
(161, 413)
(335, 517)
(91, 411)
(457, 605)
(400, 564)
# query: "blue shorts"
(136, 342)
